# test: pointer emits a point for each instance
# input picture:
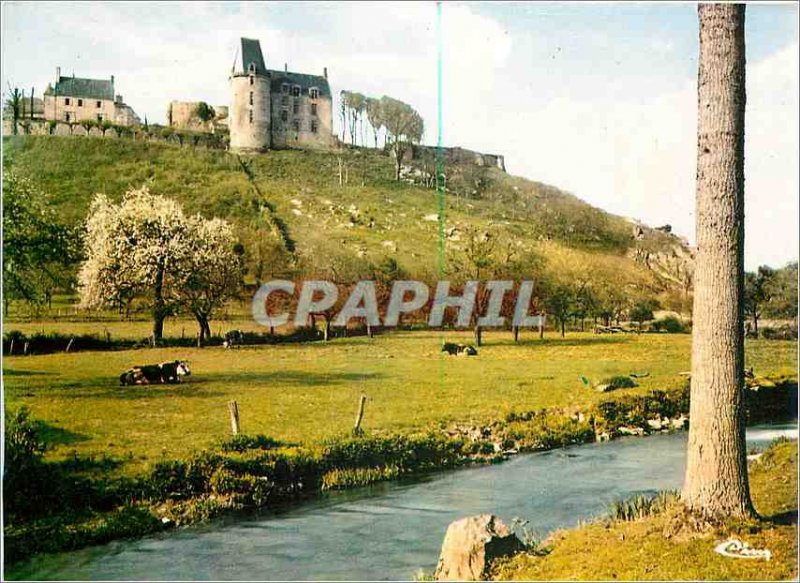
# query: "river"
(391, 530)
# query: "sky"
(598, 99)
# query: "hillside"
(293, 215)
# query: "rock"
(655, 424)
(631, 431)
(471, 544)
(680, 422)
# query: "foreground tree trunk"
(716, 483)
(478, 333)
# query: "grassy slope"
(304, 393)
(638, 550)
(71, 170)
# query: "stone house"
(74, 99)
(277, 109)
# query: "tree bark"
(478, 335)
(716, 483)
(159, 309)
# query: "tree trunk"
(478, 331)
(516, 333)
(716, 483)
(159, 309)
(755, 325)
(563, 324)
(205, 329)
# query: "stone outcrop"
(470, 546)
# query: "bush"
(240, 443)
(670, 325)
(619, 382)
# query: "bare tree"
(716, 484)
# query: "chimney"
(286, 67)
(58, 74)
(325, 72)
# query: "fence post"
(69, 344)
(360, 416)
(233, 409)
(11, 347)
(25, 348)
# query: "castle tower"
(249, 115)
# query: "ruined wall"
(456, 156)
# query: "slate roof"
(79, 87)
(249, 52)
(304, 81)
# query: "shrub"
(669, 324)
(240, 443)
(619, 382)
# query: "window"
(313, 126)
(80, 103)
(251, 116)
(313, 93)
(314, 109)
(251, 67)
(67, 117)
(99, 104)
(296, 90)
(251, 98)
(285, 115)
(296, 125)
(251, 79)
(285, 88)
(66, 101)
(285, 100)
(99, 117)
(296, 107)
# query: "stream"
(391, 530)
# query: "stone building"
(74, 99)
(185, 115)
(277, 109)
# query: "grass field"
(303, 393)
(638, 550)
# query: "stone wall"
(456, 156)
(296, 130)
(249, 115)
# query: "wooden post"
(233, 409)
(541, 325)
(183, 333)
(69, 344)
(108, 336)
(360, 416)
(25, 348)
(11, 347)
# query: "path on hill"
(277, 225)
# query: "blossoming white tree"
(146, 248)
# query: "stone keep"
(277, 109)
(249, 114)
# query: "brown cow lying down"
(155, 374)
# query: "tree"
(642, 311)
(783, 293)
(716, 483)
(139, 247)
(560, 302)
(216, 270)
(204, 112)
(404, 126)
(757, 293)
(14, 105)
(375, 117)
(38, 251)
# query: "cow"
(233, 339)
(155, 374)
(459, 349)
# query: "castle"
(277, 109)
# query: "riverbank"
(653, 547)
(248, 473)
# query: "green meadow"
(305, 393)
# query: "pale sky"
(597, 99)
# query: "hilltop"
(310, 211)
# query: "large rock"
(471, 544)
